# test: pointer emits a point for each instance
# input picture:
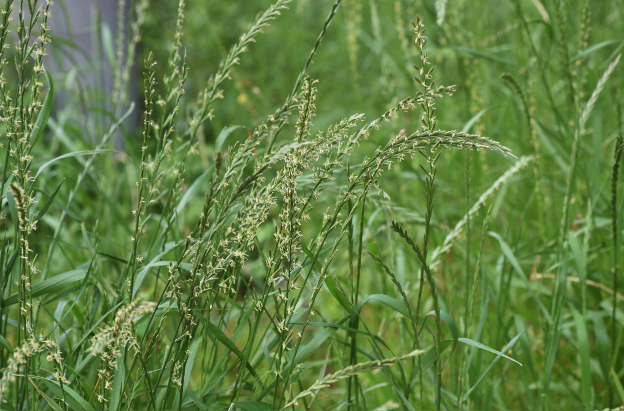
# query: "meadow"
(313, 204)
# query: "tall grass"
(262, 244)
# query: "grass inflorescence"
(258, 241)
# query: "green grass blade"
(74, 154)
(44, 114)
(218, 334)
(253, 406)
(48, 202)
(507, 347)
(584, 354)
(51, 285)
(476, 344)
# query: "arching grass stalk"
(502, 180)
(350, 371)
(334, 135)
(345, 144)
(212, 93)
(370, 169)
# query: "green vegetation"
(317, 221)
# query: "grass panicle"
(303, 236)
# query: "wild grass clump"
(240, 250)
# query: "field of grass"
(313, 204)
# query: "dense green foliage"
(317, 221)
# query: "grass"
(320, 223)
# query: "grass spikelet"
(175, 58)
(594, 97)
(108, 342)
(514, 85)
(307, 109)
(503, 179)
(347, 372)
(139, 212)
(20, 203)
(31, 348)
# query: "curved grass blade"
(74, 154)
(75, 400)
(118, 383)
(338, 294)
(450, 323)
(48, 203)
(509, 254)
(224, 134)
(6, 345)
(195, 188)
(253, 406)
(44, 114)
(218, 334)
(51, 285)
(476, 344)
(584, 355)
(508, 347)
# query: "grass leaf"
(44, 114)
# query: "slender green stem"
(619, 148)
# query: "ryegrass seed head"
(21, 356)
